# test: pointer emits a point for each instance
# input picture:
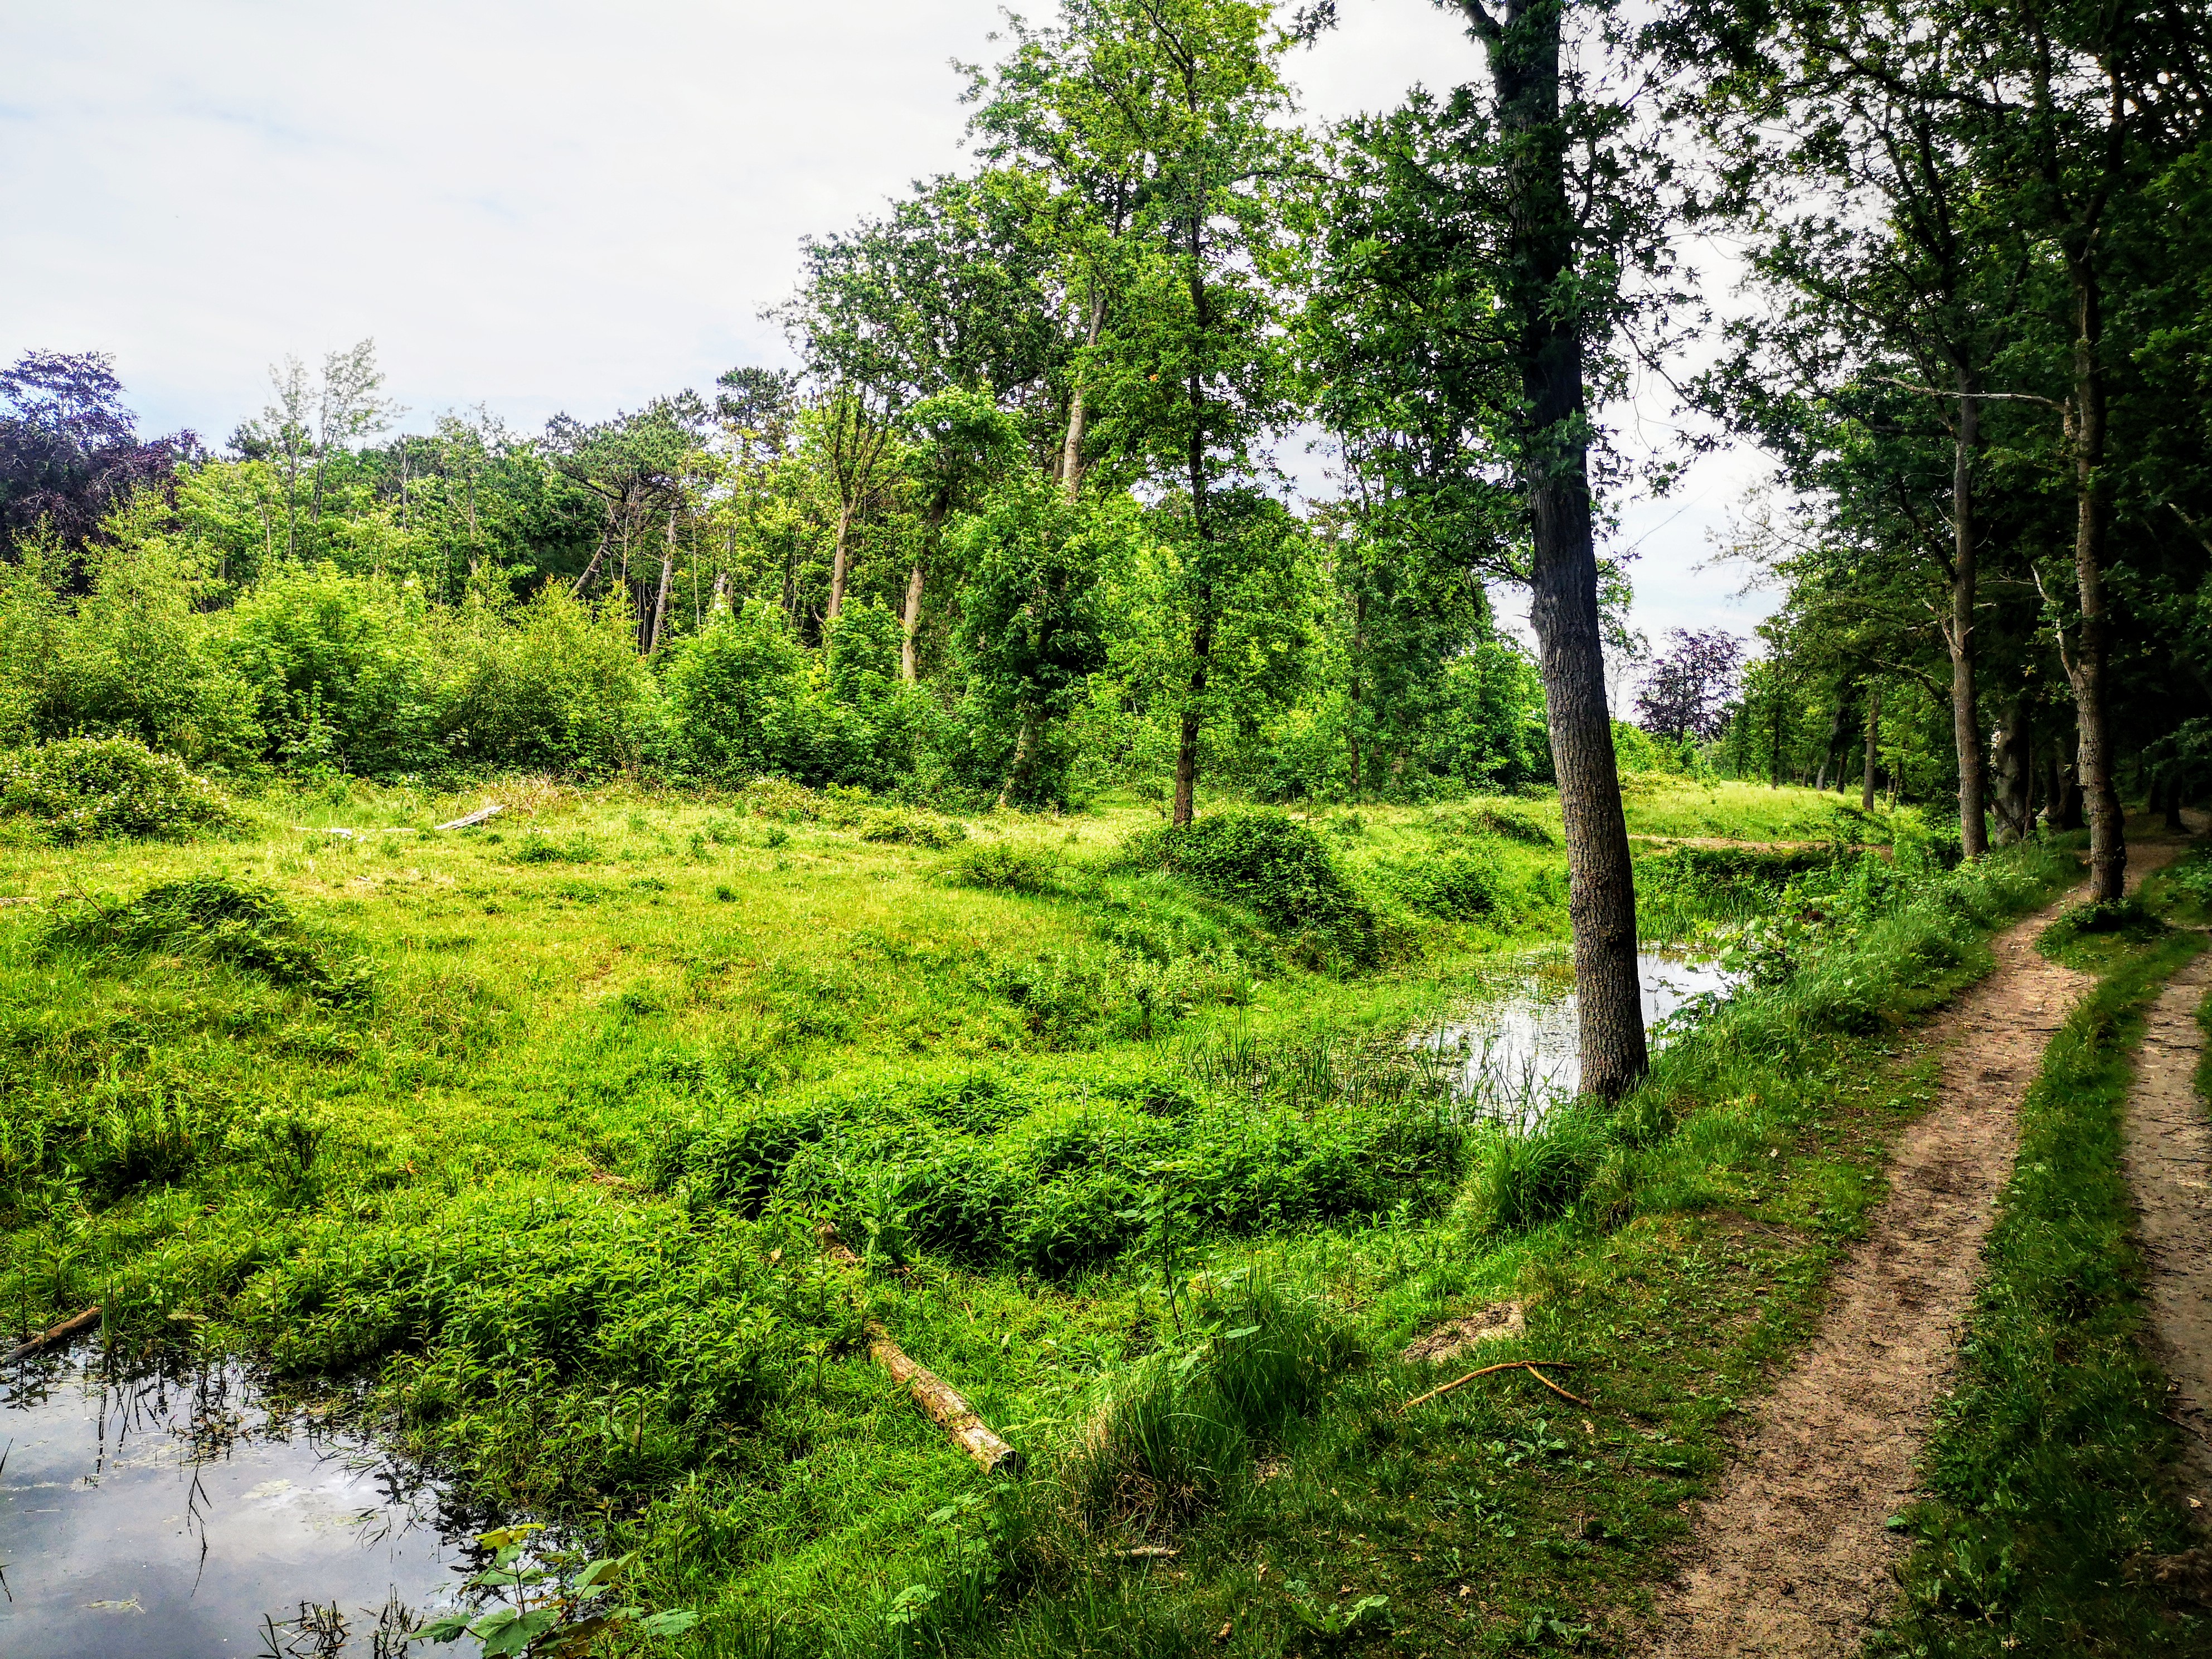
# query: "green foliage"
(1524, 1178)
(1173, 1435)
(132, 657)
(553, 685)
(1271, 863)
(212, 918)
(91, 788)
(999, 867)
(343, 669)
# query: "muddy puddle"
(1519, 1051)
(184, 1516)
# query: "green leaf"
(673, 1622)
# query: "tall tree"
(1493, 233)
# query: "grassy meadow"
(514, 1141)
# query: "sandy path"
(2169, 1165)
(1791, 1559)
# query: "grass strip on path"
(2052, 1472)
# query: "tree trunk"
(607, 539)
(837, 566)
(1965, 720)
(1071, 450)
(1873, 747)
(1523, 56)
(1018, 769)
(660, 601)
(2108, 851)
(910, 623)
(1359, 647)
(2012, 752)
(1201, 644)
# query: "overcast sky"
(540, 207)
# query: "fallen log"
(1528, 1365)
(478, 817)
(938, 1399)
(54, 1336)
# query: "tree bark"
(1873, 747)
(837, 566)
(910, 623)
(2108, 852)
(1071, 449)
(2013, 755)
(1523, 44)
(661, 602)
(1185, 806)
(1965, 720)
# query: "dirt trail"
(2169, 1165)
(1791, 1559)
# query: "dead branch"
(54, 1336)
(939, 1400)
(1528, 1365)
(478, 817)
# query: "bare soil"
(2169, 1166)
(1791, 1558)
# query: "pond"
(182, 1515)
(1520, 1051)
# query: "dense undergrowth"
(541, 1198)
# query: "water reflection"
(172, 1516)
(1521, 1052)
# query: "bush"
(1003, 869)
(92, 788)
(1455, 886)
(1271, 863)
(134, 656)
(343, 669)
(1524, 1179)
(217, 920)
(554, 685)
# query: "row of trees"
(1029, 452)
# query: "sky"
(550, 206)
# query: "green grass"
(1165, 1197)
(2052, 1472)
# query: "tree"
(1029, 634)
(69, 451)
(1498, 229)
(1191, 371)
(1687, 689)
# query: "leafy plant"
(96, 788)
(542, 1613)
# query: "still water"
(1520, 1051)
(183, 1516)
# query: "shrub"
(217, 920)
(734, 695)
(134, 656)
(1271, 863)
(1525, 1178)
(1005, 869)
(912, 829)
(343, 669)
(93, 788)
(1455, 885)
(554, 685)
